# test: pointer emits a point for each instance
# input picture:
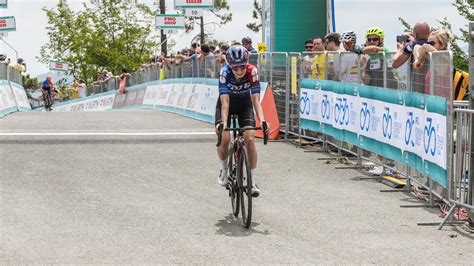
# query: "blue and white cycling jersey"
(249, 83)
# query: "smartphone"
(402, 38)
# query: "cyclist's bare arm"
(257, 106)
(224, 108)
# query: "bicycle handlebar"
(264, 128)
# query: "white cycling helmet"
(348, 36)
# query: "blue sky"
(356, 15)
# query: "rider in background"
(239, 93)
(47, 87)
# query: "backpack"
(460, 84)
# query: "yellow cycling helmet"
(374, 31)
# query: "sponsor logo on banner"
(325, 108)
(387, 124)
(305, 103)
(429, 137)
(364, 117)
(341, 111)
(409, 133)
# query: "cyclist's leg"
(223, 149)
(247, 119)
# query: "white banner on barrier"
(100, 103)
(407, 128)
(21, 97)
(7, 99)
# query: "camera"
(402, 38)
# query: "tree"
(110, 34)
(465, 9)
(29, 82)
(219, 7)
(257, 15)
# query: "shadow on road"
(232, 226)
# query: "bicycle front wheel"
(233, 187)
(245, 187)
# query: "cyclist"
(47, 88)
(239, 93)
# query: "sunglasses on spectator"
(309, 47)
(432, 43)
(374, 39)
(238, 68)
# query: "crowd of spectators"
(365, 62)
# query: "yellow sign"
(262, 47)
(294, 79)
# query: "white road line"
(106, 133)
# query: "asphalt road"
(85, 198)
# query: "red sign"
(170, 21)
(193, 1)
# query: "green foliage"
(29, 82)
(109, 34)
(465, 9)
(220, 8)
(257, 15)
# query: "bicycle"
(239, 178)
(48, 99)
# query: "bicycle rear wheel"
(233, 187)
(245, 187)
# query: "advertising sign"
(58, 66)
(169, 21)
(399, 126)
(7, 24)
(181, 4)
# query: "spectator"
(421, 32)
(81, 89)
(247, 43)
(253, 57)
(319, 59)
(348, 40)
(308, 46)
(350, 62)
(332, 42)
(437, 41)
(221, 60)
(373, 74)
(195, 48)
(3, 58)
(212, 48)
(19, 65)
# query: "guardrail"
(285, 72)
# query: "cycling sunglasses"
(238, 68)
(374, 39)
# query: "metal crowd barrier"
(9, 73)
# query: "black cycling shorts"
(242, 107)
